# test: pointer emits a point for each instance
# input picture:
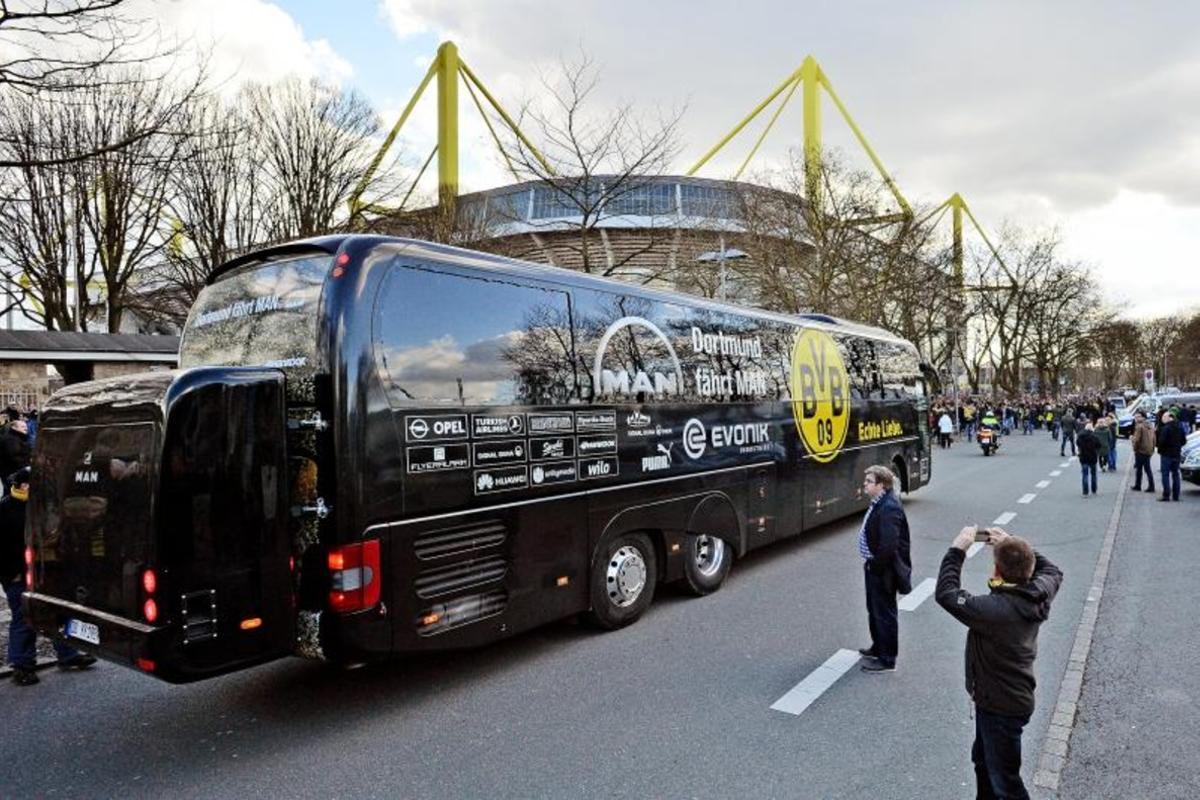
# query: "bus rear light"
(146, 665)
(431, 619)
(354, 576)
(150, 610)
(149, 581)
(251, 623)
(29, 569)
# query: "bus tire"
(623, 578)
(706, 564)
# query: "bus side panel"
(469, 579)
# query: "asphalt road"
(677, 705)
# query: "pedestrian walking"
(883, 543)
(1170, 441)
(1142, 439)
(1001, 647)
(945, 429)
(14, 448)
(1069, 425)
(1089, 454)
(1104, 436)
(22, 640)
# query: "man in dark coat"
(22, 654)
(1089, 453)
(1170, 442)
(1001, 646)
(14, 448)
(883, 543)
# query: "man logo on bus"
(620, 382)
(820, 394)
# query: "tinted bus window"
(443, 338)
(265, 315)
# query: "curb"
(1056, 745)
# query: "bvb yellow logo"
(820, 394)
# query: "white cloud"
(245, 40)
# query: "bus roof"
(511, 266)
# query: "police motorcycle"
(988, 435)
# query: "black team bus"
(377, 446)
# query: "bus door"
(761, 505)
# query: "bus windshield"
(262, 315)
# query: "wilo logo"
(620, 382)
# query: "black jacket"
(1088, 444)
(888, 541)
(12, 538)
(1002, 640)
(14, 452)
(1170, 439)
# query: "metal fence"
(24, 398)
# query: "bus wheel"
(707, 563)
(623, 579)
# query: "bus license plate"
(85, 631)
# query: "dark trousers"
(944, 440)
(996, 754)
(1141, 463)
(1068, 438)
(882, 616)
(1085, 470)
(1169, 470)
(21, 638)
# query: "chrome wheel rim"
(626, 576)
(709, 555)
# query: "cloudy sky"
(1080, 116)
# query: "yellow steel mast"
(447, 68)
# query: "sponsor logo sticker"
(435, 458)
(557, 472)
(551, 448)
(598, 468)
(488, 453)
(595, 421)
(502, 479)
(551, 423)
(601, 443)
(435, 427)
(497, 424)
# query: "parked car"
(1190, 456)
(1150, 405)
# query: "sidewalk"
(1134, 733)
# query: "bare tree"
(216, 203)
(315, 142)
(592, 167)
(43, 249)
(54, 49)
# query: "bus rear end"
(157, 521)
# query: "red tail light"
(354, 574)
(150, 610)
(29, 569)
(149, 581)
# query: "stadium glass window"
(644, 201)
(552, 203)
(706, 201)
(508, 207)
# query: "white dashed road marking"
(918, 595)
(1026, 499)
(1005, 518)
(1056, 473)
(1043, 484)
(1065, 464)
(805, 693)
(973, 549)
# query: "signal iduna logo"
(820, 394)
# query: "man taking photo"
(1001, 646)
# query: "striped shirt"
(863, 550)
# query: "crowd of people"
(18, 431)
(1087, 425)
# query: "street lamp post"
(721, 256)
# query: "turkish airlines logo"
(620, 382)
